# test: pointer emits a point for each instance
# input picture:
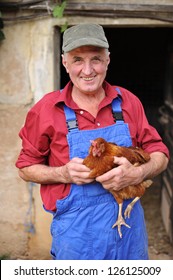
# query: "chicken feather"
(101, 159)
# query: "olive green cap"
(85, 34)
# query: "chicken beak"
(93, 143)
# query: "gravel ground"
(160, 247)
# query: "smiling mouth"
(88, 79)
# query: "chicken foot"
(130, 207)
(120, 221)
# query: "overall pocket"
(65, 215)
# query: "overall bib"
(82, 225)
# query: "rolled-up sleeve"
(35, 142)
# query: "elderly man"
(56, 138)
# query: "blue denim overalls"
(82, 226)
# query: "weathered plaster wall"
(26, 73)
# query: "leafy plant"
(4, 257)
(2, 36)
(58, 12)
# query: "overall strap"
(70, 115)
(71, 120)
(116, 108)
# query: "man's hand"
(127, 174)
(76, 172)
(122, 176)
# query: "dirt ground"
(160, 247)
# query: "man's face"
(87, 67)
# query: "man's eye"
(96, 59)
(76, 59)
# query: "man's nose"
(87, 68)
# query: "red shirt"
(44, 133)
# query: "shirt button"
(98, 124)
(81, 112)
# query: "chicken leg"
(120, 221)
(130, 207)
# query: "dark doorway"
(138, 63)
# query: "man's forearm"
(42, 174)
(157, 164)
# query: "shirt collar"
(64, 95)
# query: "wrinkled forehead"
(87, 49)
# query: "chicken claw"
(130, 207)
(128, 211)
(120, 221)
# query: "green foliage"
(2, 36)
(64, 27)
(58, 11)
(4, 257)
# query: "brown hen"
(101, 159)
